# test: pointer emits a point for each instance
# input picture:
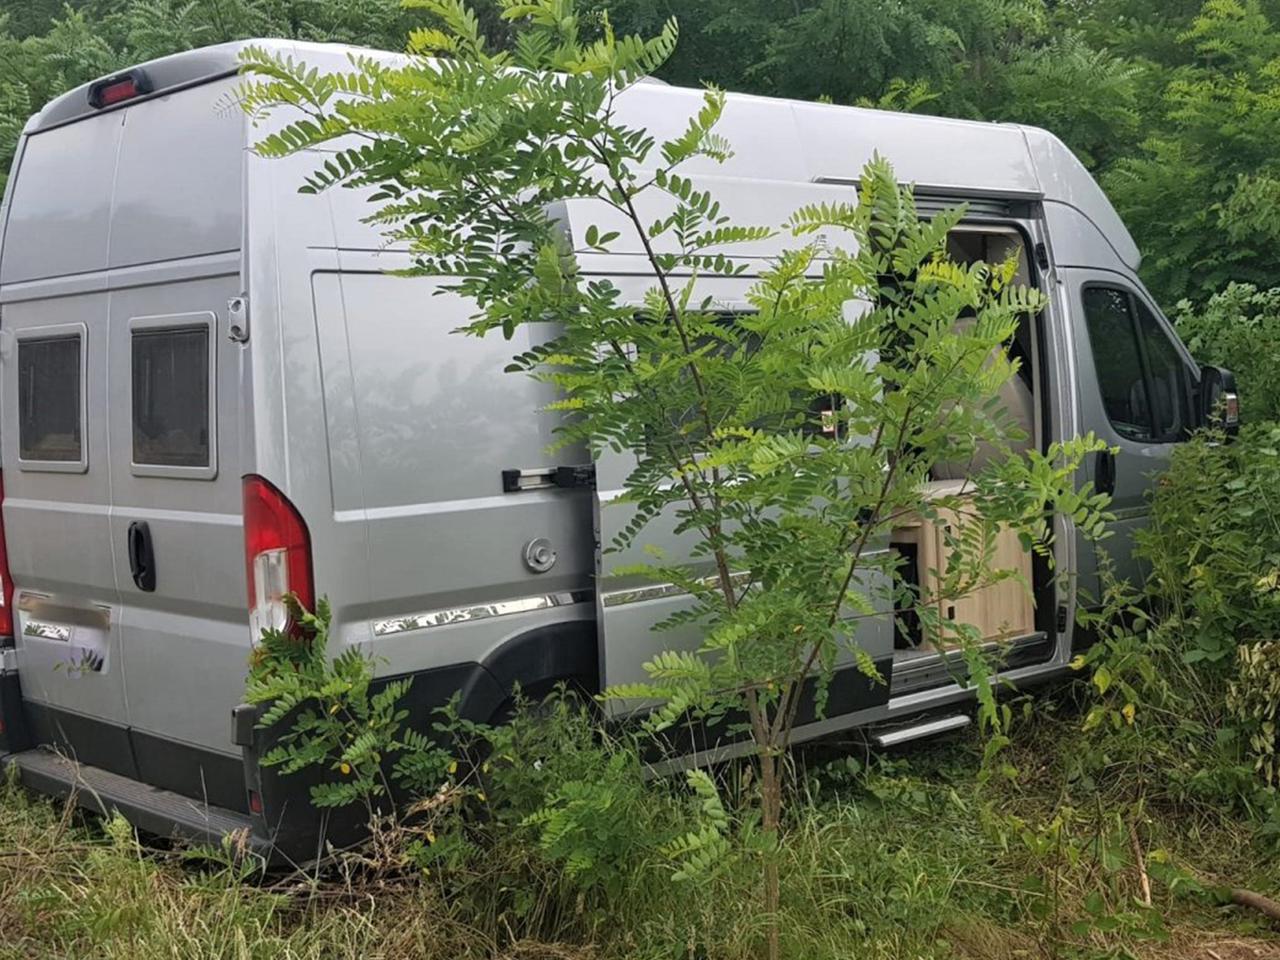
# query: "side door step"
(920, 731)
(159, 812)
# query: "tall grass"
(888, 857)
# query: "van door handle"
(142, 559)
(1104, 472)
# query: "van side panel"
(420, 423)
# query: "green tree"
(784, 441)
(1207, 181)
(1087, 97)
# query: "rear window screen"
(171, 397)
(49, 399)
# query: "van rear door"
(174, 417)
(54, 444)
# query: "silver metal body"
(345, 388)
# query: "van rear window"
(171, 397)
(49, 424)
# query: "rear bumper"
(15, 733)
(175, 790)
(157, 811)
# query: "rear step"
(156, 811)
(919, 731)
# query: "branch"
(717, 530)
(1264, 905)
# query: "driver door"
(1137, 386)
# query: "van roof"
(826, 143)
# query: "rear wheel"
(541, 699)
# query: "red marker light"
(113, 90)
(124, 90)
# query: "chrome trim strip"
(617, 598)
(46, 631)
(480, 611)
(44, 616)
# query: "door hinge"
(238, 318)
(1061, 622)
(1042, 255)
(579, 477)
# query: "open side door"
(629, 606)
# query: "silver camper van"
(212, 394)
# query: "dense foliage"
(1175, 106)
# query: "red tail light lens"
(124, 90)
(113, 90)
(277, 553)
(6, 581)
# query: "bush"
(1214, 543)
(1239, 328)
(1184, 678)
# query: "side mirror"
(1219, 400)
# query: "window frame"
(59, 331)
(177, 323)
(1133, 299)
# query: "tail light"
(6, 581)
(277, 553)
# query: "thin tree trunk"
(771, 817)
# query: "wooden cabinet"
(1002, 610)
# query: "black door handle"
(142, 559)
(1104, 473)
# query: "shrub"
(1239, 328)
(1184, 678)
(332, 715)
(1214, 543)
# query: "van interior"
(1010, 613)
